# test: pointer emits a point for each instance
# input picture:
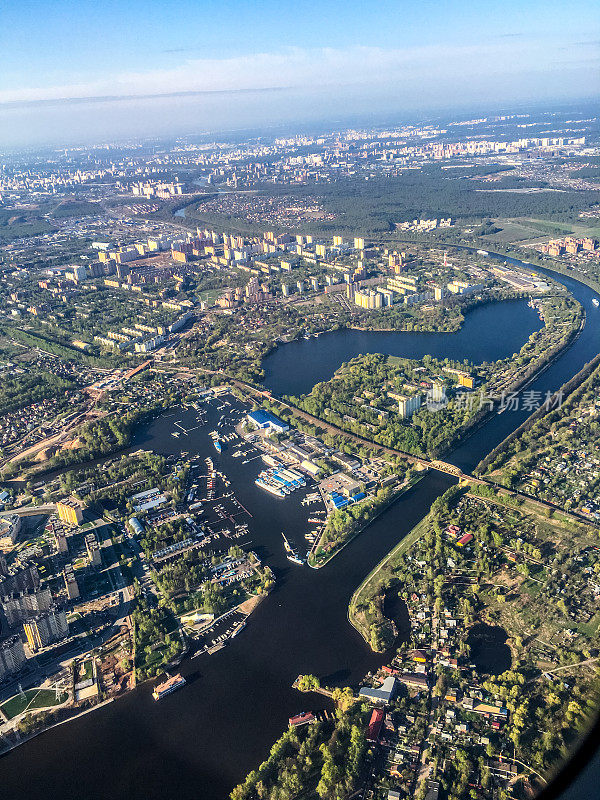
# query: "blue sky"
(58, 58)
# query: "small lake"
(489, 333)
(395, 608)
(489, 651)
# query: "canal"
(199, 742)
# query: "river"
(199, 742)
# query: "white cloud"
(311, 68)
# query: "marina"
(299, 628)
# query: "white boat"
(239, 628)
(268, 488)
(595, 301)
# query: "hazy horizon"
(83, 73)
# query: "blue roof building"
(267, 421)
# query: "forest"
(371, 378)
(377, 204)
(19, 390)
(373, 206)
(321, 760)
(155, 639)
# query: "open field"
(32, 700)
(526, 229)
(209, 296)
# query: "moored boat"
(303, 718)
(272, 489)
(167, 687)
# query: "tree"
(308, 683)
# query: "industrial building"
(264, 420)
(381, 695)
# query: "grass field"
(209, 296)
(86, 670)
(525, 229)
(19, 230)
(577, 229)
(31, 700)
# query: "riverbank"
(455, 323)
(356, 616)
(47, 728)
(521, 383)
(103, 437)
(299, 629)
(412, 481)
(348, 398)
(564, 392)
(560, 269)
(519, 255)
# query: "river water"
(199, 742)
(317, 358)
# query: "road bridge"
(30, 511)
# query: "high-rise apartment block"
(407, 405)
(71, 584)
(367, 298)
(69, 510)
(93, 550)
(12, 657)
(20, 607)
(23, 580)
(46, 629)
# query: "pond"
(489, 651)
